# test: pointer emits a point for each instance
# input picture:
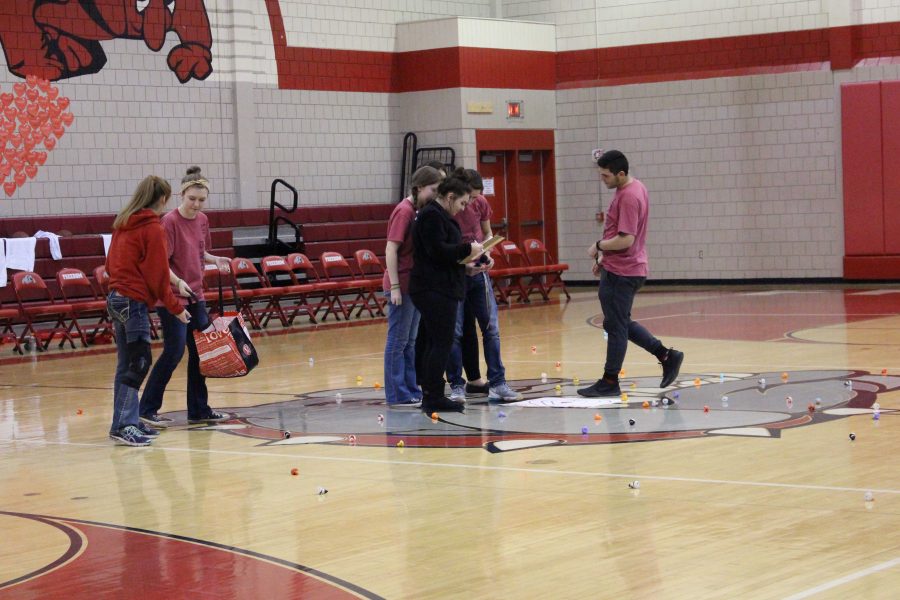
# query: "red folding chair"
(8, 317)
(101, 277)
(372, 271)
(38, 306)
(508, 278)
(261, 292)
(540, 257)
(337, 270)
(78, 292)
(327, 292)
(211, 279)
(293, 291)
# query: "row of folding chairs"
(520, 274)
(285, 287)
(80, 313)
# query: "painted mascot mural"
(58, 39)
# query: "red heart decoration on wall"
(33, 115)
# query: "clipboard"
(486, 245)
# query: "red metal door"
(492, 167)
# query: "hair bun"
(193, 170)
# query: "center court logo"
(735, 404)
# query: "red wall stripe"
(514, 139)
(445, 68)
(890, 151)
(863, 167)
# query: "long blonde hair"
(148, 192)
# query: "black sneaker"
(210, 417)
(671, 366)
(130, 436)
(474, 388)
(147, 430)
(601, 389)
(430, 405)
(156, 421)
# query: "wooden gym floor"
(758, 497)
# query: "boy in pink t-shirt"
(621, 262)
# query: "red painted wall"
(871, 162)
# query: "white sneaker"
(504, 393)
(458, 393)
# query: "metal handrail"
(272, 240)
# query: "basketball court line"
(845, 579)
(630, 476)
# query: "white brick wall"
(335, 147)
(876, 11)
(743, 170)
(576, 20)
(355, 25)
(133, 118)
(585, 24)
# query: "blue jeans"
(132, 323)
(480, 300)
(175, 336)
(400, 352)
(616, 298)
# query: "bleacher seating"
(337, 231)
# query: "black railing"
(443, 154)
(407, 161)
(414, 157)
(272, 241)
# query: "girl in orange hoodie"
(138, 267)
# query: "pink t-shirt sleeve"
(398, 225)
(629, 214)
(169, 226)
(207, 234)
(484, 208)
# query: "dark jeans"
(471, 355)
(480, 300)
(175, 335)
(131, 323)
(437, 325)
(616, 298)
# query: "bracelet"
(599, 249)
(395, 286)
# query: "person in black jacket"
(437, 283)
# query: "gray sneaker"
(503, 393)
(130, 436)
(458, 393)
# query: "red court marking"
(165, 567)
(761, 318)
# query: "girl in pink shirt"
(187, 232)
(400, 386)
